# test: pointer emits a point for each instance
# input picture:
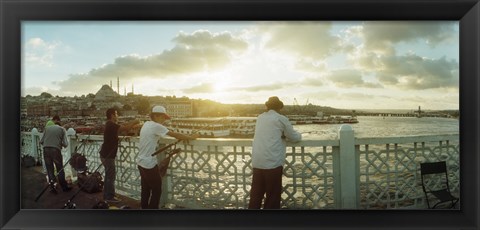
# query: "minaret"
(124, 91)
(118, 85)
(132, 90)
(110, 83)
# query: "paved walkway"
(34, 181)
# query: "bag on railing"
(79, 162)
(90, 182)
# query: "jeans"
(151, 182)
(54, 160)
(109, 185)
(269, 182)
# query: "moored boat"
(205, 127)
(242, 126)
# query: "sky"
(340, 64)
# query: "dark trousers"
(269, 182)
(151, 183)
(109, 185)
(54, 160)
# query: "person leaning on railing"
(272, 130)
(108, 151)
(150, 179)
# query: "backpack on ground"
(28, 161)
(90, 182)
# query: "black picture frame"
(12, 12)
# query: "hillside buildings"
(95, 105)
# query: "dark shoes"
(67, 189)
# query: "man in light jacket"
(53, 140)
(272, 131)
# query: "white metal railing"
(347, 172)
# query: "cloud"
(201, 88)
(414, 72)
(201, 51)
(267, 87)
(380, 36)
(311, 66)
(312, 81)
(206, 40)
(208, 87)
(38, 52)
(311, 40)
(349, 78)
(378, 55)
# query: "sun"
(220, 86)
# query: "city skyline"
(370, 65)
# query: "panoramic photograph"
(285, 115)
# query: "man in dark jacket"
(108, 152)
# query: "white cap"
(160, 109)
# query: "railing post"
(69, 173)
(34, 152)
(35, 149)
(165, 181)
(348, 169)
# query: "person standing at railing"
(272, 131)
(108, 151)
(150, 179)
(53, 140)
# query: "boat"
(204, 126)
(342, 119)
(306, 120)
(242, 126)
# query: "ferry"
(342, 119)
(205, 127)
(304, 120)
(242, 126)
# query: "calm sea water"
(384, 127)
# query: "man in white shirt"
(151, 132)
(272, 131)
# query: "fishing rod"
(166, 147)
(174, 143)
(69, 204)
(171, 144)
(50, 184)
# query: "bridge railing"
(347, 172)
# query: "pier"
(416, 113)
(424, 114)
(342, 173)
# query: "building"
(106, 93)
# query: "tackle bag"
(79, 162)
(28, 161)
(90, 182)
(163, 166)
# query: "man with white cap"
(151, 132)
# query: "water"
(384, 127)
